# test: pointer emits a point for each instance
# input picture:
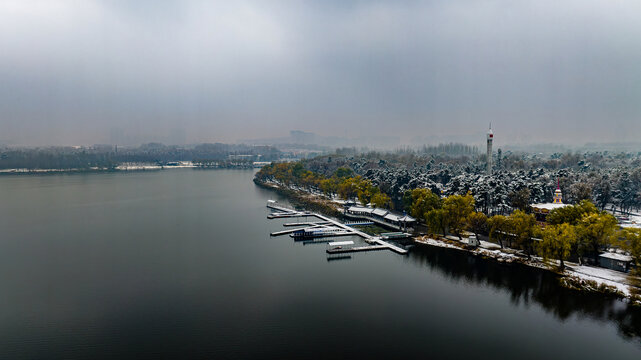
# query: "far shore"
(125, 167)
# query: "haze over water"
(101, 71)
(180, 263)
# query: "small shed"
(473, 241)
(615, 261)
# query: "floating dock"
(288, 215)
(306, 223)
(395, 235)
(356, 249)
(359, 223)
(376, 243)
(341, 243)
(319, 234)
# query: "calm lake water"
(180, 263)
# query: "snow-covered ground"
(633, 222)
(142, 166)
(599, 275)
(429, 241)
(124, 167)
(11, 171)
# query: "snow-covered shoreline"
(120, 168)
(123, 167)
(575, 276)
(580, 277)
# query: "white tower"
(490, 137)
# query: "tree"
(595, 231)
(631, 242)
(520, 199)
(436, 220)
(343, 173)
(328, 187)
(522, 226)
(407, 201)
(381, 200)
(571, 214)
(365, 190)
(499, 227)
(557, 242)
(457, 209)
(602, 192)
(422, 202)
(348, 188)
(580, 191)
(477, 223)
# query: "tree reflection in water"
(526, 285)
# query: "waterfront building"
(380, 216)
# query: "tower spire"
(558, 196)
(490, 138)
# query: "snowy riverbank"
(580, 277)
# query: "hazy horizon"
(82, 72)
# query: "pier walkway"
(376, 243)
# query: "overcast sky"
(541, 70)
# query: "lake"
(180, 264)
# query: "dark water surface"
(179, 263)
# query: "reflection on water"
(180, 264)
(339, 257)
(526, 285)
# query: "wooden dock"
(392, 247)
(288, 215)
(356, 249)
(321, 235)
(359, 223)
(290, 231)
(306, 223)
(376, 243)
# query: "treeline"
(211, 163)
(604, 178)
(342, 183)
(449, 149)
(55, 158)
(581, 231)
(108, 157)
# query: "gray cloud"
(539, 70)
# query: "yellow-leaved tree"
(557, 243)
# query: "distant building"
(380, 216)
(542, 210)
(490, 138)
